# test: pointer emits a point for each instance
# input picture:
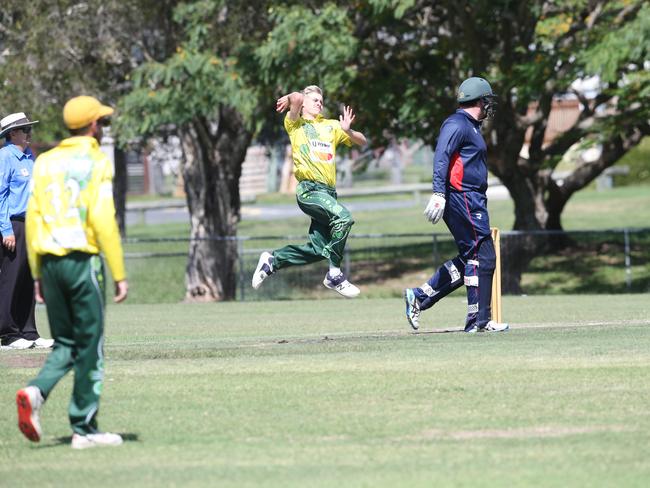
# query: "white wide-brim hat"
(14, 121)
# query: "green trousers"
(328, 232)
(74, 292)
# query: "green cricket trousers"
(328, 232)
(74, 291)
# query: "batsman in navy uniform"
(460, 177)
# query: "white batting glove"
(435, 208)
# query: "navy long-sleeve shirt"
(460, 160)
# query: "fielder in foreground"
(70, 219)
(313, 144)
(459, 197)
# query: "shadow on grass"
(436, 331)
(66, 440)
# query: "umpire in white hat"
(17, 324)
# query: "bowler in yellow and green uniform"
(314, 140)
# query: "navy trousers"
(16, 291)
(467, 218)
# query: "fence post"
(628, 261)
(240, 261)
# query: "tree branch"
(612, 151)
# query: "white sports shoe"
(95, 440)
(341, 285)
(264, 269)
(29, 401)
(493, 326)
(41, 343)
(19, 344)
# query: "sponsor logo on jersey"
(321, 151)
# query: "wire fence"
(543, 262)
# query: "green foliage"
(626, 43)
(52, 51)
(208, 70)
(396, 7)
(308, 47)
(195, 18)
(186, 86)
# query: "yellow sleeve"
(291, 125)
(341, 135)
(101, 217)
(32, 220)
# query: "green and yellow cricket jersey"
(71, 205)
(313, 144)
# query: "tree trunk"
(517, 251)
(213, 155)
(120, 187)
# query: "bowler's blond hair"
(312, 89)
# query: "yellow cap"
(82, 111)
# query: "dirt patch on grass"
(523, 433)
(22, 360)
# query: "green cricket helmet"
(474, 88)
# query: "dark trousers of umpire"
(16, 290)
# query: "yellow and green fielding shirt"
(71, 205)
(313, 144)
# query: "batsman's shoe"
(99, 439)
(341, 285)
(412, 308)
(29, 401)
(264, 269)
(493, 326)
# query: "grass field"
(341, 393)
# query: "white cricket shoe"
(341, 285)
(493, 326)
(95, 440)
(29, 401)
(19, 344)
(412, 308)
(41, 343)
(264, 269)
